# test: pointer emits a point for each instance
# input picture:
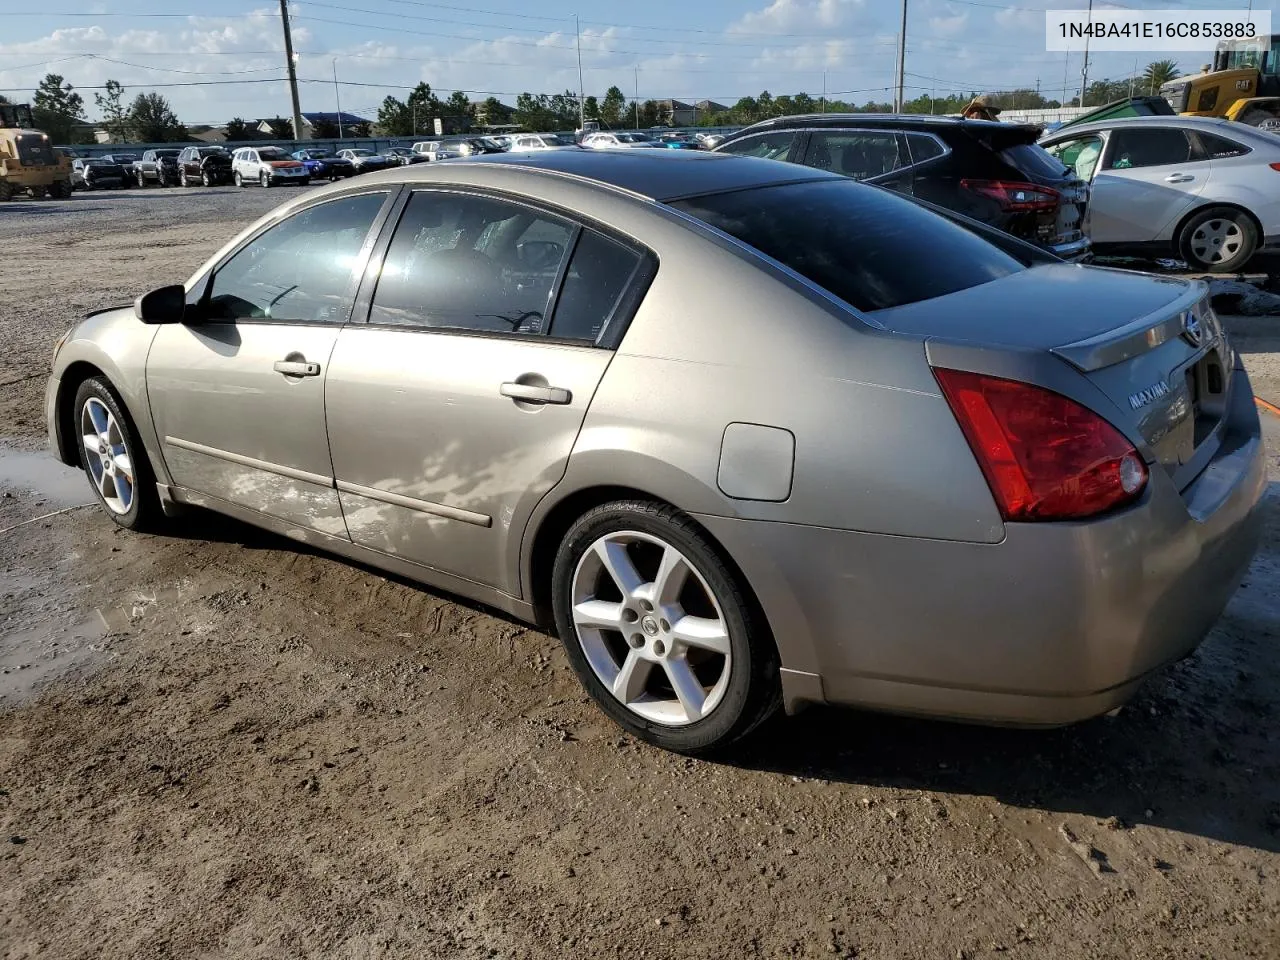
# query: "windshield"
(167, 153)
(272, 153)
(124, 157)
(362, 153)
(862, 244)
(212, 151)
(556, 140)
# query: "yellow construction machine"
(28, 162)
(1242, 83)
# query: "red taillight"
(1045, 457)
(1014, 196)
(1274, 166)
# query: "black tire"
(206, 178)
(1218, 240)
(6, 191)
(238, 180)
(305, 182)
(753, 690)
(61, 190)
(144, 512)
(182, 179)
(142, 180)
(264, 179)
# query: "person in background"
(980, 108)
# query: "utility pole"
(336, 97)
(1084, 70)
(582, 102)
(902, 58)
(291, 68)
(637, 99)
(824, 91)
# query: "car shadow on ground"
(1193, 751)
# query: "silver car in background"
(1202, 189)
(1001, 489)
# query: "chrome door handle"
(533, 394)
(296, 368)
(1179, 178)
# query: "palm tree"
(1158, 73)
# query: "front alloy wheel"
(238, 179)
(659, 629)
(206, 178)
(113, 458)
(264, 179)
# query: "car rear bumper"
(1073, 251)
(1056, 623)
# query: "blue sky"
(716, 49)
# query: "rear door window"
(1134, 147)
(861, 155)
(464, 262)
(1220, 148)
(862, 244)
(924, 147)
(599, 276)
(770, 146)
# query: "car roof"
(656, 174)
(1208, 124)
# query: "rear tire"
(6, 191)
(119, 464)
(142, 180)
(264, 179)
(206, 179)
(238, 179)
(1218, 240)
(691, 658)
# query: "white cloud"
(948, 26)
(796, 16)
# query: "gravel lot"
(217, 743)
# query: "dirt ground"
(216, 743)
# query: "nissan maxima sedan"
(889, 458)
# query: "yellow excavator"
(28, 162)
(1243, 83)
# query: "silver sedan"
(744, 434)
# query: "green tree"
(236, 129)
(1158, 73)
(613, 109)
(115, 115)
(395, 119)
(152, 120)
(324, 129)
(745, 111)
(591, 108)
(458, 109)
(361, 129)
(58, 110)
(649, 116)
(495, 111)
(424, 106)
(535, 112)
(281, 128)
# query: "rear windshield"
(1032, 160)
(867, 246)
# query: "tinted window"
(272, 153)
(300, 269)
(923, 147)
(1134, 147)
(1031, 160)
(857, 155)
(1217, 148)
(771, 146)
(598, 276)
(862, 244)
(1080, 155)
(471, 263)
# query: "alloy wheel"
(206, 179)
(651, 628)
(264, 179)
(1217, 241)
(106, 456)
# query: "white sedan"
(541, 141)
(1201, 189)
(621, 140)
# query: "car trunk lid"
(1153, 345)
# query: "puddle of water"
(39, 473)
(32, 657)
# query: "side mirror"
(162, 305)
